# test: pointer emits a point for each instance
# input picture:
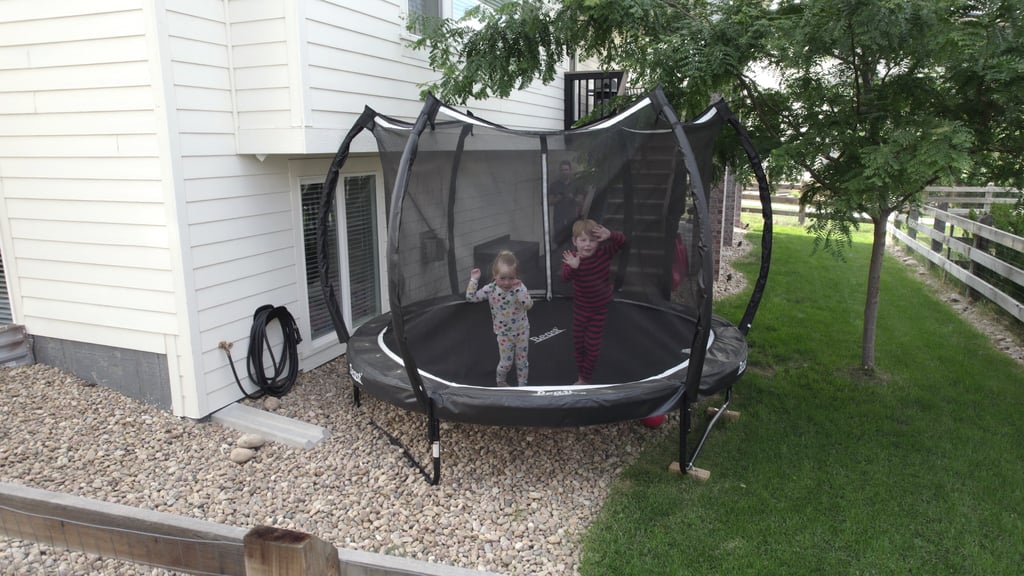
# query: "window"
(444, 8)
(420, 9)
(356, 259)
(459, 7)
(431, 8)
(361, 241)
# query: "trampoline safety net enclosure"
(462, 189)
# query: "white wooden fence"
(933, 233)
(941, 233)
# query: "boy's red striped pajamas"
(592, 293)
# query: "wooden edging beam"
(183, 544)
(116, 531)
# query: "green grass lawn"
(918, 469)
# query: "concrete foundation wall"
(139, 375)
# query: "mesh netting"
(472, 189)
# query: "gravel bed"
(511, 500)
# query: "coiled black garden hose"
(286, 369)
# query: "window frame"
(312, 352)
(6, 307)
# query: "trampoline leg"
(715, 413)
(355, 396)
(685, 427)
(434, 431)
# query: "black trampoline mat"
(455, 342)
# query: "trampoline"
(463, 189)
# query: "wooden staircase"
(649, 185)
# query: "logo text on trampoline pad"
(549, 334)
(553, 393)
(357, 376)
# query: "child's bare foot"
(580, 381)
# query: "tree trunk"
(867, 355)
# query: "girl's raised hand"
(474, 274)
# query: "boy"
(589, 269)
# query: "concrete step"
(273, 427)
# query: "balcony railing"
(586, 92)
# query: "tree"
(875, 100)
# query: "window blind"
(5, 300)
(361, 234)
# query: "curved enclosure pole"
(323, 249)
(546, 215)
(698, 348)
(395, 277)
(766, 214)
(453, 272)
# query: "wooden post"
(698, 474)
(912, 223)
(940, 226)
(729, 415)
(117, 531)
(980, 244)
(278, 552)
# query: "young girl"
(589, 269)
(509, 302)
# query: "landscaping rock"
(251, 441)
(241, 455)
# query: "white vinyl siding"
(304, 71)
(264, 68)
(237, 208)
(84, 209)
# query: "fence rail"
(783, 204)
(186, 544)
(962, 199)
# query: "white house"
(160, 167)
